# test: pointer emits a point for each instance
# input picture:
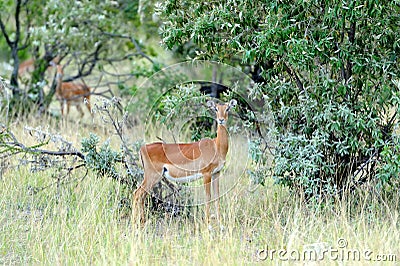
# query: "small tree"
(331, 86)
(90, 34)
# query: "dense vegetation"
(314, 157)
(330, 75)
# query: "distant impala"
(71, 93)
(185, 162)
(28, 66)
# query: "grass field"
(80, 224)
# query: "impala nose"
(221, 121)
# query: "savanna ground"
(81, 223)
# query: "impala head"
(221, 110)
(60, 71)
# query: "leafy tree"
(330, 72)
(88, 35)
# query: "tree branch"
(17, 22)
(22, 147)
(90, 59)
(349, 65)
(135, 43)
(3, 30)
(27, 31)
(293, 74)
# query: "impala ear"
(211, 104)
(231, 104)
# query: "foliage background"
(330, 73)
(323, 115)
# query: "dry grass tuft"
(82, 225)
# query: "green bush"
(331, 86)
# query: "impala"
(185, 162)
(71, 93)
(27, 66)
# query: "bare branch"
(17, 22)
(293, 74)
(16, 144)
(118, 127)
(90, 60)
(133, 40)
(349, 65)
(3, 30)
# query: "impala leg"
(138, 204)
(215, 185)
(88, 105)
(62, 108)
(139, 196)
(79, 108)
(68, 105)
(207, 186)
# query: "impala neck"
(222, 140)
(59, 83)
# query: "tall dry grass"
(81, 224)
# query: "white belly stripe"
(184, 179)
(188, 178)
